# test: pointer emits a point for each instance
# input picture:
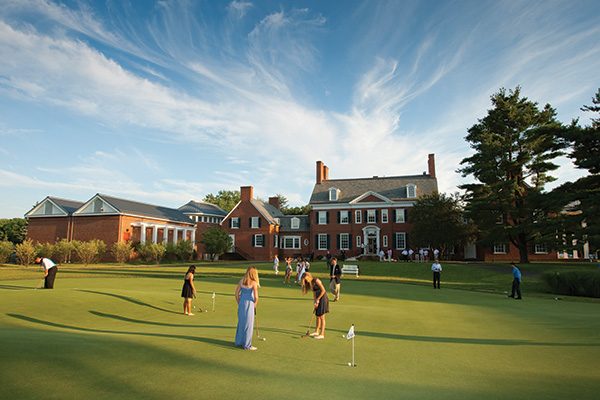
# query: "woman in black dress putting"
(188, 291)
(321, 302)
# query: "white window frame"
(371, 217)
(358, 241)
(385, 240)
(295, 223)
(262, 240)
(540, 248)
(358, 216)
(235, 222)
(409, 187)
(254, 222)
(276, 241)
(294, 240)
(322, 218)
(347, 218)
(322, 236)
(400, 219)
(384, 216)
(396, 238)
(500, 248)
(344, 237)
(333, 194)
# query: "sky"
(165, 102)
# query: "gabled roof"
(60, 207)
(200, 207)
(267, 211)
(123, 206)
(393, 187)
(285, 225)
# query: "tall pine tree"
(515, 145)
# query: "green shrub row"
(574, 283)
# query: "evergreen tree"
(515, 145)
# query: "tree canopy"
(216, 241)
(515, 145)
(14, 230)
(226, 199)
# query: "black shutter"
(406, 240)
(316, 242)
(349, 241)
(253, 241)
(349, 216)
(395, 244)
(405, 215)
(259, 222)
(263, 241)
(395, 215)
(365, 220)
(326, 217)
(328, 242)
(249, 222)
(230, 223)
(376, 216)
(339, 216)
(338, 241)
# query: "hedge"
(574, 283)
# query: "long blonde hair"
(251, 275)
(307, 282)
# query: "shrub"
(170, 252)
(101, 246)
(25, 252)
(63, 250)
(152, 251)
(185, 250)
(6, 249)
(88, 252)
(44, 250)
(574, 283)
(121, 251)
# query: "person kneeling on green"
(50, 269)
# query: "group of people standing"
(421, 255)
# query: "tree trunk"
(523, 253)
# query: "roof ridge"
(138, 202)
(378, 177)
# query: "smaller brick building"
(205, 215)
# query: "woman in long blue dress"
(246, 295)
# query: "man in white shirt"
(437, 269)
(50, 269)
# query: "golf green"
(105, 336)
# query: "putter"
(256, 327)
(307, 334)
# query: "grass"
(116, 331)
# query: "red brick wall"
(304, 250)
(105, 228)
(513, 255)
(243, 235)
(47, 229)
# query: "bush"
(122, 251)
(90, 251)
(170, 252)
(25, 252)
(574, 283)
(185, 250)
(6, 249)
(45, 250)
(63, 250)
(152, 251)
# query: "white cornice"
(348, 206)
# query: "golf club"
(307, 334)
(256, 327)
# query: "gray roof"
(393, 187)
(285, 225)
(267, 210)
(146, 210)
(70, 206)
(200, 207)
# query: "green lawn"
(116, 332)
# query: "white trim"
(292, 220)
(346, 206)
(371, 193)
(114, 211)
(232, 210)
(387, 216)
(415, 189)
(37, 207)
(348, 239)
(347, 217)
(293, 237)
(319, 241)
(319, 218)
(252, 219)
(377, 237)
(262, 236)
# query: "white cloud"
(238, 9)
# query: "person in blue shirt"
(516, 285)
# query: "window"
(323, 242)
(385, 241)
(344, 241)
(333, 194)
(400, 216)
(235, 223)
(259, 240)
(323, 218)
(384, 217)
(295, 223)
(411, 191)
(371, 216)
(358, 216)
(541, 248)
(400, 238)
(291, 242)
(344, 217)
(358, 241)
(254, 222)
(500, 248)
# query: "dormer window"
(411, 191)
(295, 223)
(333, 194)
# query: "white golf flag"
(350, 333)
(213, 296)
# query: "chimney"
(319, 172)
(431, 165)
(325, 172)
(246, 193)
(274, 201)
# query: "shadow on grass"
(15, 287)
(139, 321)
(215, 342)
(476, 341)
(131, 300)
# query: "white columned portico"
(165, 234)
(143, 233)
(371, 239)
(154, 233)
(175, 232)
(193, 236)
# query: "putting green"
(125, 337)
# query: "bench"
(350, 269)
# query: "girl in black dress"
(188, 291)
(321, 302)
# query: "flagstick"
(353, 364)
(213, 299)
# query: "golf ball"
(343, 336)
(349, 364)
(264, 339)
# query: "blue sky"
(166, 101)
